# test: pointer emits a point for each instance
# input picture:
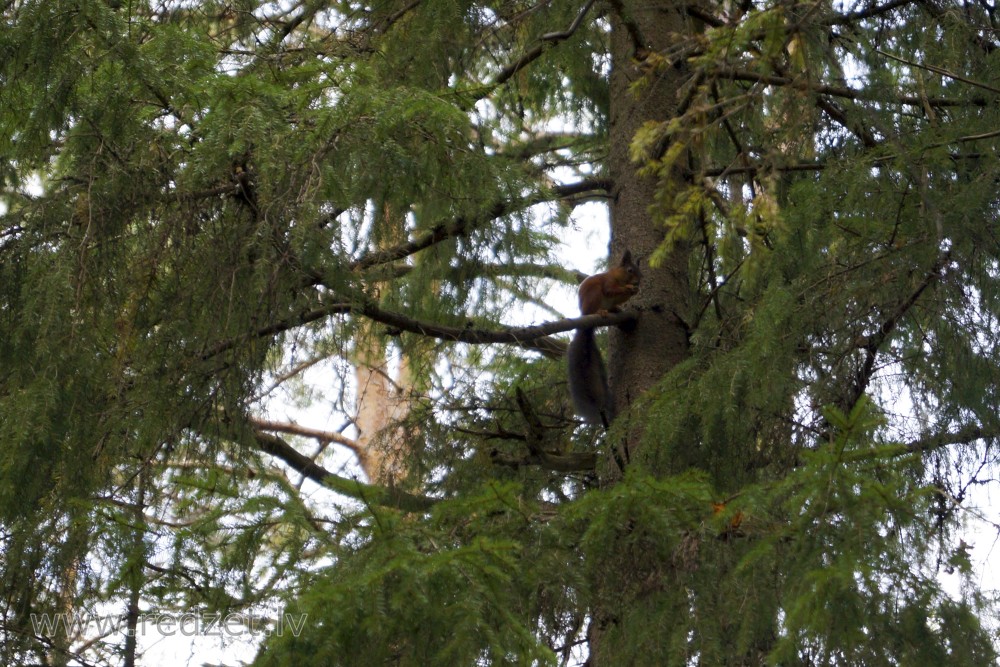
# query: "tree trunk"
(639, 357)
(383, 398)
(382, 403)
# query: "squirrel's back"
(588, 381)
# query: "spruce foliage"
(203, 201)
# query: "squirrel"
(588, 382)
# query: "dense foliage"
(206, 204)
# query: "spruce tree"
(363, 206)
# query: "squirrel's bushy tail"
(588, 382)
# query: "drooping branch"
(639, 41)
(979, 38)
(308, 13)
(874, 342)
(838, 116)
(280, 326)
(940, 71)
(368, 493)
(539, 454)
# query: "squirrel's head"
(631, 267)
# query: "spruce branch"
(534, 337)
(323, 437)
(391, 20)
(537, 453)
(510, 270)
(309, 11)
(545, 42)
(978, 39)
(966, 435)
(639, 41)
(940, 71)
(564, 463)
(753, 169)
(963, 436)
(870, 11)
(873, 343)
(460, 226)
(838, 115)
(368, 493)
(736, 74)
(704, 15)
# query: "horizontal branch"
(752, 169)
(871, 11)
(963, 436)
(569, 462)
(735, 74)
(508, 270)
(535, 337)
(296, 429)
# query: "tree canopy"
(364, 208)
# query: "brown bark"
(640, 355)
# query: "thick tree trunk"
(638, 358)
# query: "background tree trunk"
(382, 406)
(383, 396)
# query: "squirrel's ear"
(627, 257)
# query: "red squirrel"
(588, 383)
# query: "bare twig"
(369, 493)
(316, 434)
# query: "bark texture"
(383, 404)
(639, 355)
